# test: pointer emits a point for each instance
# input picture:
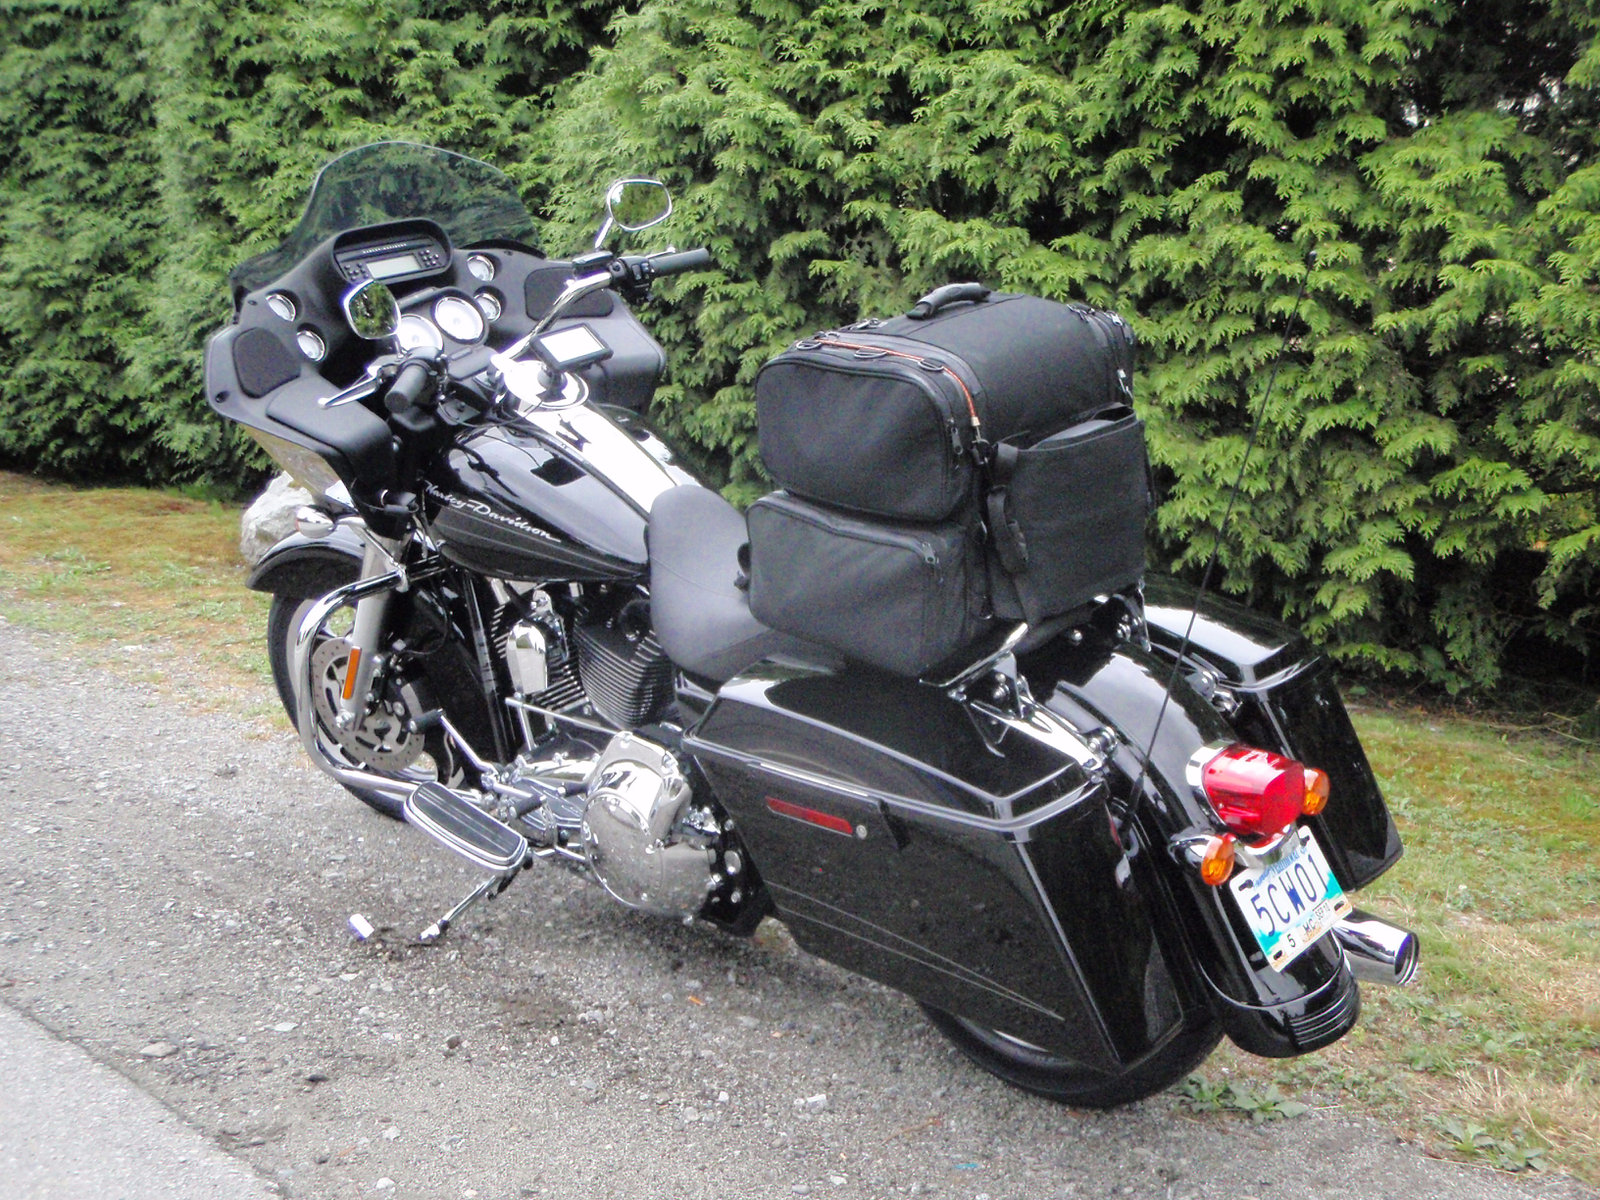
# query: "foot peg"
(454, 822)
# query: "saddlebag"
(993, 433)
(971, 867)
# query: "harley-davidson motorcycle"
(1089, 843)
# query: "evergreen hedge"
(1425, 488)
(1424, 494)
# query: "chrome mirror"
(634, 204)
(372, 310)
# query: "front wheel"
(383, 740)
(1037, 1070)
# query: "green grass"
(131, 567)
(1493, 1056)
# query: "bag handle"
(950, 293)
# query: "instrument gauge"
(481, 266)
(311, 344)
(460, 318)
(282, 306)
(490, 304)
(418, 333)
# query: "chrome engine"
(612, 803)
(644, 840)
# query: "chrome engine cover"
(636, 831)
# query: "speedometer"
(418, 333)
(460, 318)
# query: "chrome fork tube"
(365, 636)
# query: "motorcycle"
(1089, 847)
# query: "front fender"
(305, 567)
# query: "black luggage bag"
(881, 417)
(903, 596)
(979, 462)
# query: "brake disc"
(382, 738)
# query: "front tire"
(1036, 1070)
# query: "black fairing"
(982, 875)
(1288, 702)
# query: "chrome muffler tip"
(1377, 951)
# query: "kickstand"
(490, 887)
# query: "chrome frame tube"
(305, 714)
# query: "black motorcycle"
(921, 704)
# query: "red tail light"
(1254, 791)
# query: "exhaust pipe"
(1377, 951)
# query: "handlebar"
(677, 264)
(637, 270)
(414, 381)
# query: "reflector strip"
(811, 816)
(350, 672)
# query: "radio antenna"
(1227, 517)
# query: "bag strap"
(1010, 546)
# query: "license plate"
(1292, 902)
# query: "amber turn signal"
(1316, 792)
(1216, 860)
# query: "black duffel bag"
(883, 417)
(974, 461)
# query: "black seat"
(701, 614)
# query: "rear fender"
(1278, 693)
(1101, 682)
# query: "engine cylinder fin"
(629, 682)
(565, 690)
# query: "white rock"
(270, 518)
(158, 1050)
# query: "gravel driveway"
(174, 889)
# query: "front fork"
(364, 640)
(381, 577)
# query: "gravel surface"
(174, 892)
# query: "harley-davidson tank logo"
(480, 509)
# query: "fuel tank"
(555, 494)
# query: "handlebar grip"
(677, 264)
(414, 381)
(950, 293)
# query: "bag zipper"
(885, 535)
(927, 364)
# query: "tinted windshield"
(390, 181)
